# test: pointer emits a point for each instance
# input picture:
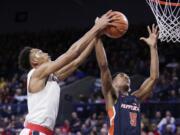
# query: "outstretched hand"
(108, 19)
(153, 36)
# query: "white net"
(167, 14)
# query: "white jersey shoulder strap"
(29, 77)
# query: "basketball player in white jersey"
(43, 91)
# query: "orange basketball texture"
(121, 29)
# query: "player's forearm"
(83, 42)
(101, 55)
(106, 77)
(72, 66)
(74, 52)
(71, 54)
(65, 73)
(85, 53)
(154, 68)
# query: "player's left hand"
(153, 36)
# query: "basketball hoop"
(167, 14)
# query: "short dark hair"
(23, 59)
(121, 73)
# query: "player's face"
(39, 57)
(121, 83)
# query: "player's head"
(31, 58)
(168, 116)
(121, 82)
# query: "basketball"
(121, 29)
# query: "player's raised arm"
(53, 66)
(106, 20)
(106, 78)
(147, 87)
(64, 72)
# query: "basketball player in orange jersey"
(43, 91)
(122, 107)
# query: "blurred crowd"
(127, 54)
(97, 124)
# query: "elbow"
(77, 52)
(103, 66)
(73, 53)
(155, 77)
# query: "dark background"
(19, 16)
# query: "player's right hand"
(153, 36)
(105, 20)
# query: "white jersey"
(43, 106)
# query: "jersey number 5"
(133, 119)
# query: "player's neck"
(124, 93)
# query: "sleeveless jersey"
(125, 116)
(43, 106)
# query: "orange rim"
(167, 3)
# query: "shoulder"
(38, 71)
(134, 94)
(30, 73)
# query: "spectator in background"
(88, 125)
(94, 131)
(65, 128)
(94, 120)
(167, 124)
(142, 129)
(58, 132)
(101, 119)
(75, 122)
(18, 97)
(168, 130)
(103, 131)
(154, 129)
(157, 117)
(84, 129)
(79, 133)
(173, 97)
(2, 83)
(178, 130)
(145, 121)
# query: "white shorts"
(27, 131)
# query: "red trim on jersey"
(39, 128)
(30, 133)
